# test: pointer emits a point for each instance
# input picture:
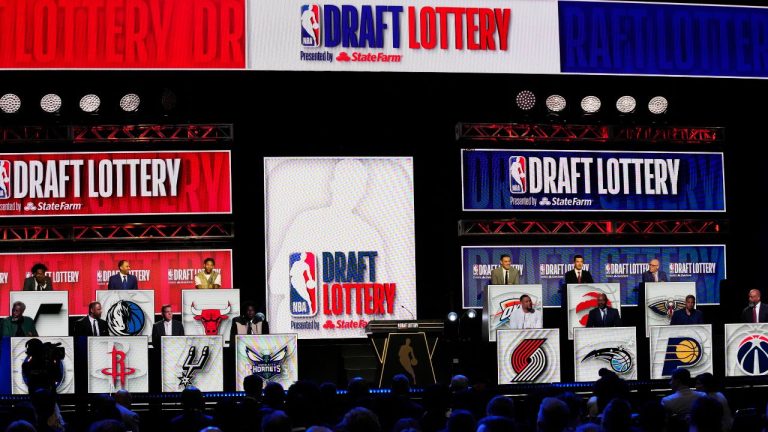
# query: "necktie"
(578, 277)
(124, 279)
(39, 288)
(754, 314)
(602, 311)
(95, 329)
(506, 277)
(656, 277)
(250, 330)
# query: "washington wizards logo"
(125, 318)
(192, 365)
(681, 352)
(619, 358)
(753, 355)
(267, 365)
(528, 360)
(667, 306)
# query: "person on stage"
(654, 273)
(756, 312)
(603, 315)
(123, 280)
(208, 278)
(505, 274)
(689, 315)
(525, 316)
(578, 275)
(38, 281)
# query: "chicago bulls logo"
(211, 318)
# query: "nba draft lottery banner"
(81, 273)
(746, 349)
(128, 312)
(684, 346)
(528, 356)
(548, 180)
(118, 363)
(60, 355)
(509, 36)
(662, 299)
(49, 309)
(703, 265)
(339, 244)
(272, 357)
(582, 298)
(503, 300)
(195, 361)
(613, 348)
(115, 183)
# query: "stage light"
(658, 105)
(90, 103)
(453, 316)
(555, 103)
(590, 104)
(130, 102)
(471, 314)
(626, 104)
(50, 103)
(525, 100)
(10, 103)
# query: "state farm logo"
(30, 207)
(361, 57)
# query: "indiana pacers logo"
(681, 352)
(619, 358)
(528, 360)
(753, 355)
(125, 318)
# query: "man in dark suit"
(603, 315)
(123, 280)
(689, 315)
(654, 273)
(505, 274)
(757, 311)
(38, 281)
(92, 325)
(166, 327)
(578, 274)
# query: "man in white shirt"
(166, 326)
(525, 316)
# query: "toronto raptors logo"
(752, 355)
(587, 303)
(119, 371)
(528, 360)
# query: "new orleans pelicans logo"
(125, 318)
(753, 355)
(619, 358)
(528, 360)
(681, 352)
(666, 306)
(267, 365)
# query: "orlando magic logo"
(753, 355)
(267, 365)
(666, 306)
(191, 366)
(528, 360)
(619, 358)
(681, 352)
(125, 318)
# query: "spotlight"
(452, 316)
(90, 103)
(525, 100)
(471, 314)
(10, 103)
(590, 104)
(626, 104)
(555, 103)
(130, 102)
(658, 105)
(50, 103)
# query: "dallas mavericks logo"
(303, 279)
(267, 365)
(528, 360)
(125, 318)
(753, 355)
(5, 179)
(618, 358)
(310, 25)
(517, 182)
(681, 352)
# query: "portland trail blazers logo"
(267, 365)
(528, 360)
(125, 318)
(619, 358)
(753, 355)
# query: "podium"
(405, 347)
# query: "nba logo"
(310, 25)
(5, 179)
(303, 279)
(517, 182)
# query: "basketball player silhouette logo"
(517, 180)
(310, 25)
(5, 179)
(408, 359)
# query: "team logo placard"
(662, 299)
(116, 363)
(210, 312)
(501, 301)
(272, 357)
(528, 356)
(128, 312)
(582, 298)
(685, 346)
(58, 359)
(49, 309)
(614, 348)
(192, 361)
(746, 349)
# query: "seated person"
(603, 315)
(525, 316)
(17, 324)
(689, 315)
(208, 278)
(249, 323)
(38, 281)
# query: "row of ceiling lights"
(526, 101)
(10, 103)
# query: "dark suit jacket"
(746, 314)
(116, 282)
(648, 277)
(83, 327)
(586, 277)
(682, 318)
(158, 330)
(30, 284)
(612, 318)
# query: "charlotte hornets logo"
(125, 318)
(753, 355)
(619, 358)
(267, 365)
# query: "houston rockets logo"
(619, 358)
(528, 360)
(192, 365)
(211, 318)
(588, 302)
(119, 371)
(5, 179)
(267, 365)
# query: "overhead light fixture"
(10, 103)
(525, 100)
(90, 103)
(555, 103)
(626, 104)
(130, 102)
(50, 103)
(590, 104)
(658, 105)
(452, 316)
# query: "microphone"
(413, 317)
(259, 318)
